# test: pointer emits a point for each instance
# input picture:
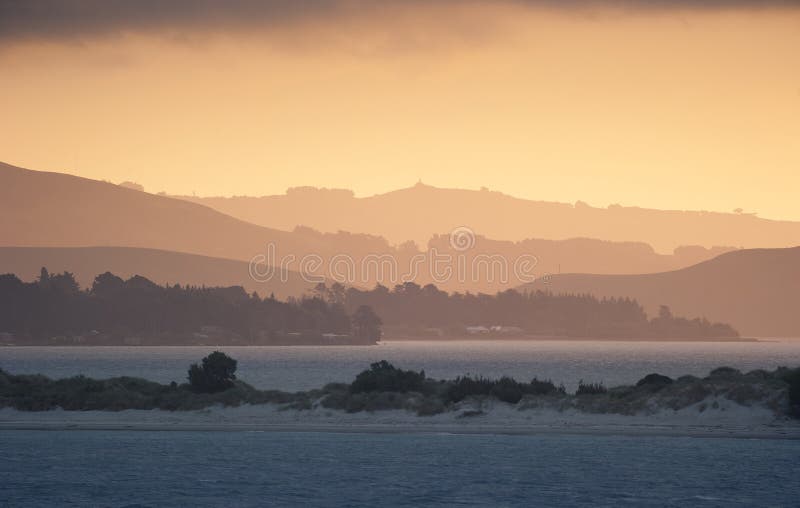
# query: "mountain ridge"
(417, 213)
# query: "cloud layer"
(61, 19)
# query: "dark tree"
(382, 376)
(217, 373)
(366, 324)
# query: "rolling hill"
(419, 212)
(755, 290)
(43, 209)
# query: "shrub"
(537, 387)
(590, 388)
(465, 386)
(656, 381)
(384, 377)
(792, 376)
(723, 372)
(217, 373)
(505, 389)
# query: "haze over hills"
(757, 291)
(44, 209)
(161, 267)
(418, 212)
(753, 289)
(59, 210)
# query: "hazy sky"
(667, 104)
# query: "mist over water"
(305, 367)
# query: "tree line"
(54, 305)
(114, 310)
(538, 312)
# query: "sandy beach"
(728, 420)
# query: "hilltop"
(419, 212)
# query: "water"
(240, 469)
(127, 469)
(301, 368)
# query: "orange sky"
(665, 108)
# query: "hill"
(755, 290)
(43, 209)
(46, 209)
(421, 211)
(161, 267)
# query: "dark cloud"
(21, 19)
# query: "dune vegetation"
(385, 387)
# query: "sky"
(663, 104)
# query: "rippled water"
(300, 368)
(127, 469)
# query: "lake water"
(301, 368)
(242, 469)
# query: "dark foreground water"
(138, 469)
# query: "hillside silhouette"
(755, 290)
(419, 212)
(45, 209)
(159, 266)
(59, 210)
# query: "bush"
(505, 389)
(216, 374)
(465, 386)
(590, 388)
(724, 372)
(656, 381)
(792, 376)
(384, 377)
(537, 387)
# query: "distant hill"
(162, 267)
(42, 209)
(421, 211)
(755, 290)
(45, 209)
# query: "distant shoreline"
(537, 338)
(544, 338)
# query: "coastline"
(600, 431)
(458, 338)
(501, 419)
(552, 338)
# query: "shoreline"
(490, 339)
(559, 338)
(499, 418)
(632, 430)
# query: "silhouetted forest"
(55, 310)
(420, 310)
(134, 311)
